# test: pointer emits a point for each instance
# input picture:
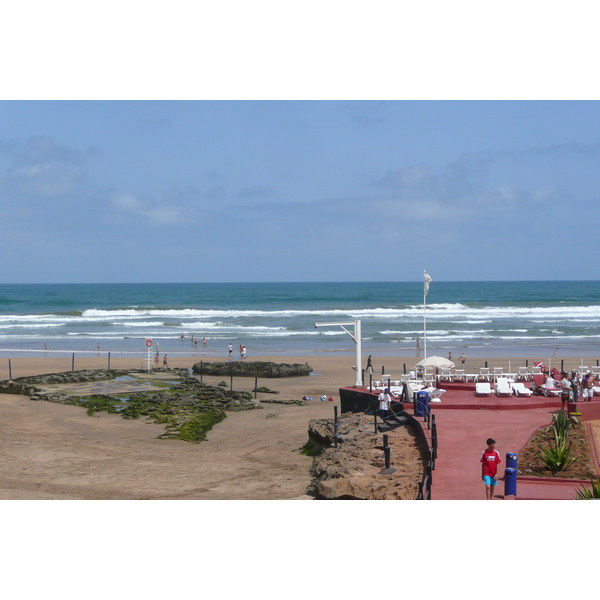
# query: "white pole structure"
(426, 282)
(357, 340)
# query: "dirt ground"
(51, 451)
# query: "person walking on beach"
(463, 359)
(418, 348)
(157, 348)
(230, 350)
(369, 368)
(385, 402)
(165, 362)
(156, 361)
(449, 355)
(490, 459)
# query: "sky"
(118, 191)
(238, 174)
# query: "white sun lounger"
(520, 390)
(483, 389)
(502, 387)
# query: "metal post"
(9, 370)
(358, 343)
(370, 382)
(363, 377)
(109, 361)
(201, 370)
(231, 380)
(386, 452)
(73, 362)
(385, 440)
(404, 365)
(335, 426)
(255, 386)
(375, 420)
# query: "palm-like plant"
(558, 458)
(592, 493)
(560, 425)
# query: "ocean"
(498, 318)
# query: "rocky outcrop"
(353, 470)
(243, 368)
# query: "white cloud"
(127, 202)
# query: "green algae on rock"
(188, 408)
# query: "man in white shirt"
(385, 404)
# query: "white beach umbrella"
(436, 362)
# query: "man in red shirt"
(490, 459)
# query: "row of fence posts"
(72, 365)
(429, 420)
(426, 483)
(231, 379)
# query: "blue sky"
(298, 190)
(259, 143)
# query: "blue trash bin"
(510, 481)
(421, 403)
(511, 460)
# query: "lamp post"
(356, 336)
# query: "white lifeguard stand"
(356, 336)
(148, 364)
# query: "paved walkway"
(464, 424)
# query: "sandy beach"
(53, 451)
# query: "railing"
(427, 481)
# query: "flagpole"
(426, 281)
(424, 324)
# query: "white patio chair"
(459, 375)
(484, 373)
(446, 375)
(523, 374)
